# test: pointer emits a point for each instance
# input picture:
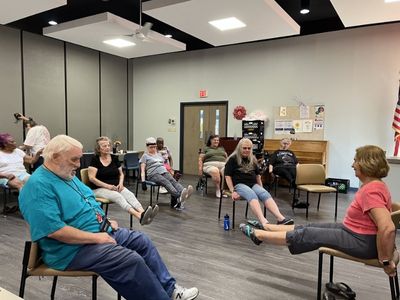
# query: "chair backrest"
(310, 174)
(131, 160)
(396, 217)
(85, 176)
(32, 257)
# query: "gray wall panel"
(114, 98)
(45, 81)
(10, 81)
(83, 95)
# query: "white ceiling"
(265, 19)
(363, 12)
(92, 31)
(12, 10)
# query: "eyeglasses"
(152, 146)
(246, 148)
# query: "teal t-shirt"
(48, 203)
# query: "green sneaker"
(249, 232)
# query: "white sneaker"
(218, 193)
(163, 190)
(189, 191)
(183, 196)
(181, 293)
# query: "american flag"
(396, 125)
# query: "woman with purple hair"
(12, 170)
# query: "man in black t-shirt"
(283, 162)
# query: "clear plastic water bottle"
(226, 222)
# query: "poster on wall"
(298, 125)
(307, 125)
(283, 126)
(319, 111)
(304, 111)
(282, 111)
(318, 124)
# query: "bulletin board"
(303, 122)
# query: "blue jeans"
(251, 193)
(133, 267)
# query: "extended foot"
(250, 233)
(285, 221)
(154, 213)
(189, 192)
(145, 216)
(181, 293)
(183, 196)
(255, 224)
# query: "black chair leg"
(94, 287)
(319, 200)
(53, 287)
(336, 202)
(396, 283)
(320, 263)
(106, 209)
(331, 269)
(220, 204)
(294, 197)
(130, 222)
(247, 209)
(308, 195)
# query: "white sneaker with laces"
(189, 191)
(163, 190)
(181, 293)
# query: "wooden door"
(199, 121)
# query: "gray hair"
(237, 154)
(58, 144)
(97, 146)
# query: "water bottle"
(226, 222)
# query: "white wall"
(354, 73)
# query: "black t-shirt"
(246, 174)
(283, 159)
(108, 174)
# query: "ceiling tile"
(92, 31)
(265, 19)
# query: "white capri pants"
(126, 199)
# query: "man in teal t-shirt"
(66, 220)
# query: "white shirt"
(12, 163)
(37, 138)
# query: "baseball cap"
(150, 141)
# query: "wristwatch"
(386, 262)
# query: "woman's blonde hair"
(97, 146)
(59, 144)
(372, 161)
(237, 154)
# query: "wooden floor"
(224, 265)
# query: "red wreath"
(239, 112)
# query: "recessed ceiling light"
(168, 35)
(304, 7)
(227, 23)
(53, 22)
(120, 43)
(390, 1)
(304, 11)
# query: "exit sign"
(203, 93)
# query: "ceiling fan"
(142, 32)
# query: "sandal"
(255, 224)
(249, 232)
(341, 289)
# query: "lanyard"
(75, 187)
